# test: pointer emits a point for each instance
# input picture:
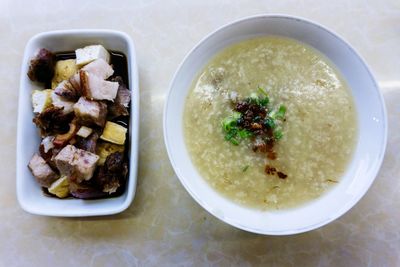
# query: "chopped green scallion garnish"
(269, 122)
(262, 91)
(244, 134)
(278, 134)
(281, 112)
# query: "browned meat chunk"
(41, 68)
(53, 119)
(94, 87)
(42, 171)
(121, 102)
(61, 102)
(89, 143)
(100, 68)
(85, 191)
(75, 82)
(90, 112)
(66, 90)
(76, 163)
(112, 174)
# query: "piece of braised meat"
(42, 171)
(76, 163)
(94, 87)
(85, 190)
(66, 90)
(89, 143)
(112, 174)
(53, 120)
(41, 68)
(121, 103)
(90, 112)
(100, 68)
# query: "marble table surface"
(164, 225)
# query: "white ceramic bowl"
(29, 193)
(371, 118)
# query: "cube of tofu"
(44, 175)
(95, 88)
(100, 68)
(60, 187)
(90, 112)
(41, 99)
(114, 133)
(63, 70)
(76, 163)
(89, 53)
(60, 102)
(84, 131)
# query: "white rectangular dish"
(29, 192)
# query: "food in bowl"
(83, 118)
(285, 152)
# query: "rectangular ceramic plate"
(29, 193)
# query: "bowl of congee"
(275, 125)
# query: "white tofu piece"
(100, 68)
(89, 53)
(41, 99)
(84, 131)
(76, 163)
(95, 88)
(59, 102)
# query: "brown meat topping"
(41, 68)
(53, 120)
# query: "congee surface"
(318, 135)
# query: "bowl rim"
(329, 219)
(133, 77)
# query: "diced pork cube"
(100, 68)
(76, 163)
(121, 102)
(89, 53)
(64, 160)
(90, 112)
(75, 81)
(59, 102)
(85, 163)
(42, 171)
(94, 87)
(66, 90)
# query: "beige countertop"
(164, 225)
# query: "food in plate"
(270, 123)
(82, 116)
